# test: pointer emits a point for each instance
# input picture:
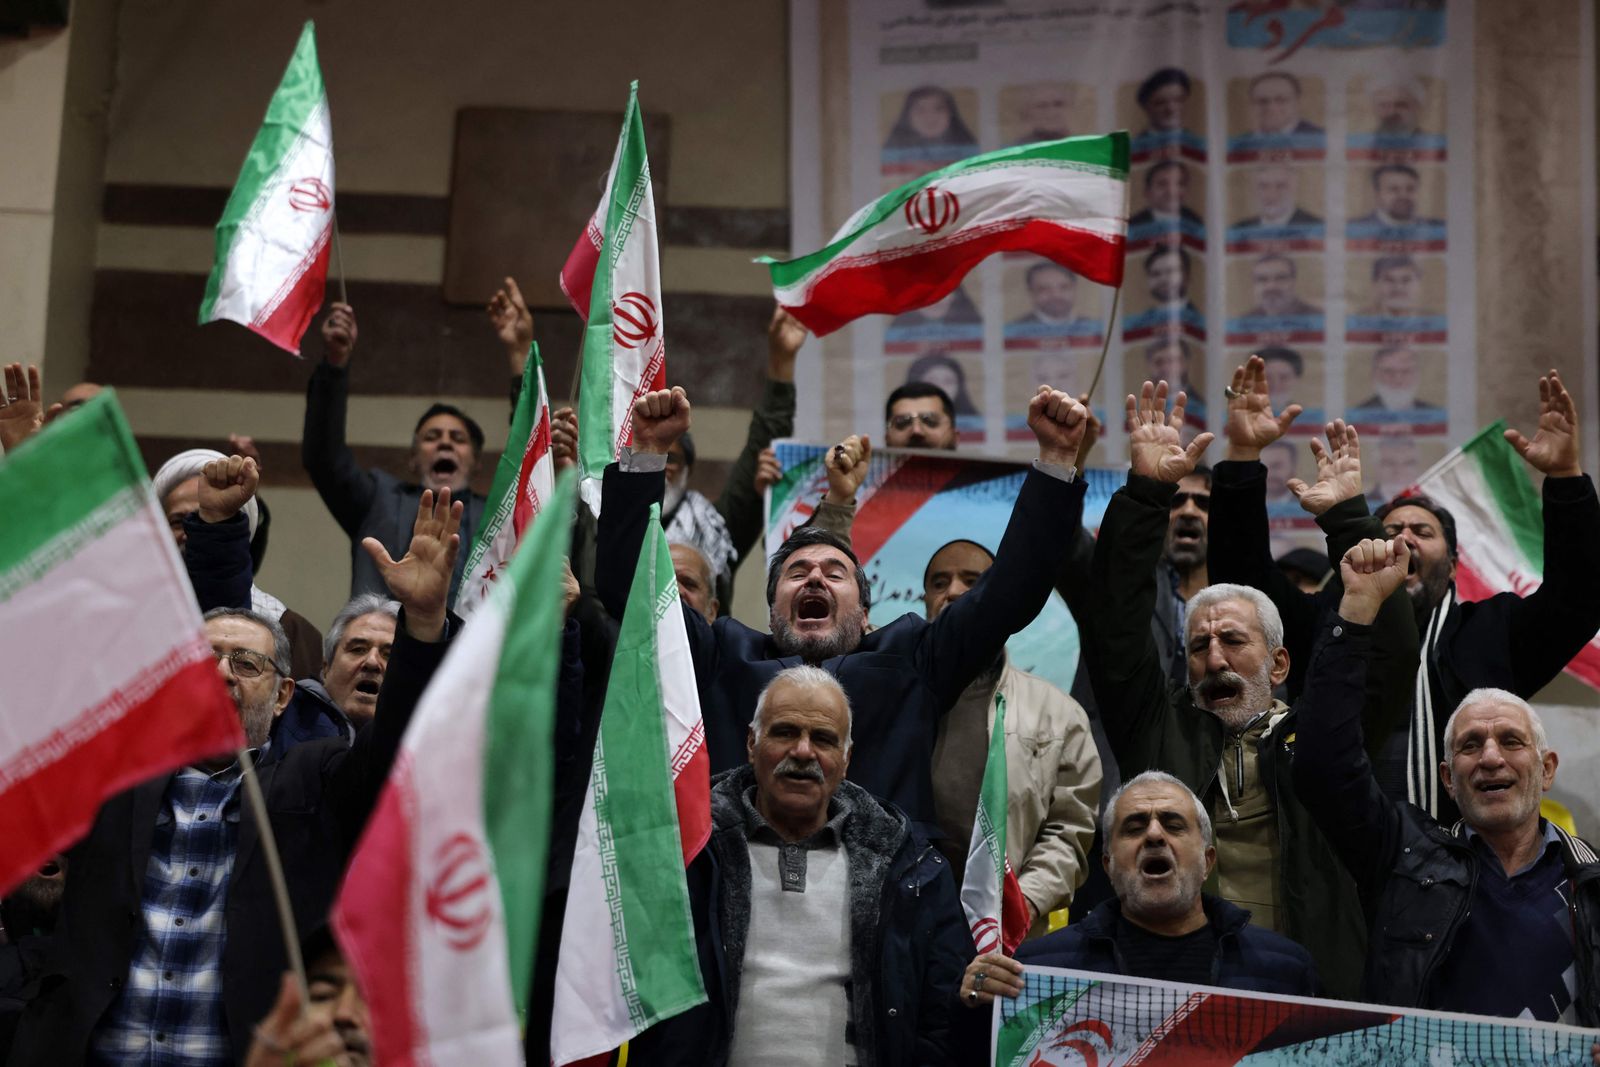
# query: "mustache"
(1218, 681)
(1189, 525)
(793, 768)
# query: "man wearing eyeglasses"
(919, 415)
(170, 945)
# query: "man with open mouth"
(903, 676)
(446, 446)
(1222, 734)
(1498, 914)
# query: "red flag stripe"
(188, 716)
(892, 504)
(289, 316)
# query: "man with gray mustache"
(1221, 732)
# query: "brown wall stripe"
(143, 333)
(429, 216)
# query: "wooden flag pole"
(338, 262)
(280, 888)
(1105, 346)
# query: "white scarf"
(697, 522)
(1422, 744)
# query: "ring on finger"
(1231, 393)
(979, 978)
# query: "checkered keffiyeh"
(170, 1012)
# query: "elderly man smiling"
(828, 930)
(901, 677)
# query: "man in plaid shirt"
(170, 945)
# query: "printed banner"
(1075, 1018)
(914, 502)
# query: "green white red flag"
(990, 893)
(272, 240)
(1063, 200)
(523, 481)
(1499, 526)
(627, 947)
(109, 677)
(624, 339)
(440, 906)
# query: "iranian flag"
(1063, 200)
(439, 910)
(624, 348)
(1499, 526)
(110, 678)
(990, 894)
(627, 947)
(522, 484)
(272, 239)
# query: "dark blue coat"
(901, 678)
(1248, 957)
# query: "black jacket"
(318, 799)
(1416, 878)
(1248, 957)
(901, 678)
(909, 939)
(366, 503)
(1154, 725)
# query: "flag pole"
(1105, 346)
(280, 888)
(338, 261)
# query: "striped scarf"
(1422, 743)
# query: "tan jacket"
(1054, 775)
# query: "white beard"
(674, 494)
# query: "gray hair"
(1108, 817)
(806, 677)
(1486, 695)
(1266, 611)
(358, 605)
(280, 640)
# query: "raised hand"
(659, 419)
(513, 323)
(847, 468)
(785, 335)
(339, 334)
(1251, 424)
(421, 578)
(289, 1035)
(1338, 470)
(1091, 433)
(226, 485)
(1371, 570)
(245, 445)
(22, 412)
(1059, 422)
(1554, 448)
(1155, 443)
(769, 472)
(563, 438)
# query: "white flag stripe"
(132, 570)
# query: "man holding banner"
(901, 677)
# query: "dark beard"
(1429, 593)
(33, 905)
(844, 639)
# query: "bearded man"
(903, 676)
(1222, 734)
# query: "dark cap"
(1306, 561)
(687, 442)
(474, 431)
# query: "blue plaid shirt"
(170, 1011)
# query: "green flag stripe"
(1513, 492)
(299, 94)
(502, 492)
(992, 802)
(519, 724)
(64, 476)
(1105, 154)
(638, 811)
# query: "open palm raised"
(1155, 444)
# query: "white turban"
(185, 465)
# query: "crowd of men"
(1317, 776)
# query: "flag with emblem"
(990, 893)
(110, 679)
(1063, 200)
(272, 240)
(522, 484)
(439, 910)
(1499, 526)
(627, 948)
(624, 349)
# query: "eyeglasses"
(245, 663)
(1200, 500)
(931, 420)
